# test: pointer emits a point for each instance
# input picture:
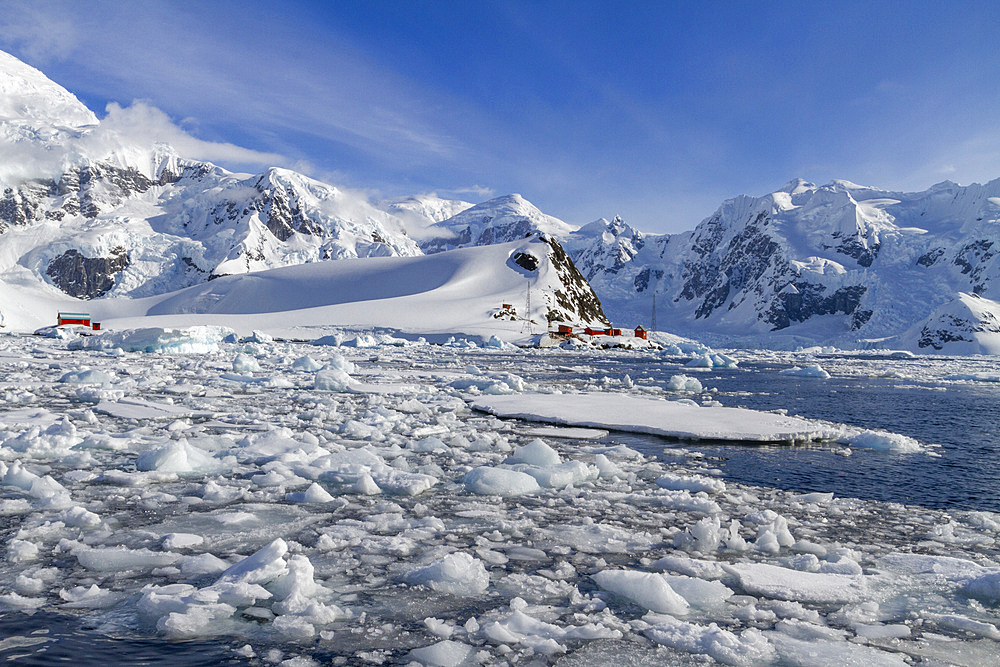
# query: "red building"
(640, 332)
(565, 329)
(73, 318)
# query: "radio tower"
(527, 313)
(652, 324)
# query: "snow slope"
(458, 291)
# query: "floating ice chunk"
(296, 592)
(260, 567)
(177, 456)
(430, 444)
(709, 535)
(891, 631)
(784, 583)
(197, 620)
(306, 364)
(173, 541)
(647, 589)
(446, 653)
(500, 482)
(43, 441)
(314, 494)
(884, 441)
(750, 647)
(772, 531)
(684, 383)
(87, 377)
(711, 360)
(496, 343)
(985, 588)
(607, 468)
(520, 628)
(15, 602)
(333, 340)
(706, 596)
(457, 573)
(202, 564)
(366, 486)
(341, 363)
(966, 624)
(602, 538)
(21, 551)
(258, 337)
(333, 379)
(534, 588)
(88, 597)
(673, 419)
(536, 453)
(818, 498)
(832, 652)
(244, 363)
(692, 483)
(559, 476)
(47, 491)
(684, 501)
(693, 567)
(139, 409)
(79, 517)
(955, 569)
(811, 371)
(120, 559)
(188, 340)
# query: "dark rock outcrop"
(86, 277)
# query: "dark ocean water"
(963, 418)
(45, 638)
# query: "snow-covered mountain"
(499, 220)
(95, 214)
(88, 212)
(968, 324)
(833, 263)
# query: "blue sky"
(653, 110)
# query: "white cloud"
(144, 125)
(127, 136)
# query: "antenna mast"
(528, 324)
(652, 325)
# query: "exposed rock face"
(86, 277)
(575, 301)
(85, 191)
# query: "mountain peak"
(28, 97)
(796, 186)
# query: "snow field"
(357, 521)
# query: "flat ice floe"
(671, 419)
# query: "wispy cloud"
(197, 60)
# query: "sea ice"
(811, 371)
(500, 482)
(457, 574)
(647, 589)
(667, 418)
